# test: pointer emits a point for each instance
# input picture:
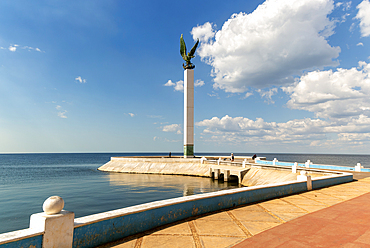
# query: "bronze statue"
(189, 56)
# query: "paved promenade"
(337, 216)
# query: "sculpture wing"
(182, 47)
(192, 51)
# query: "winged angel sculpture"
(187, 57)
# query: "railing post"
(57, 224)
(274, 161)
(304, 177)
(307, 164)
(294, 167)
(358, 167)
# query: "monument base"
(188, 151)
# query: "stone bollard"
(218, 161)
(274, 161)
(56, 223)
(304, 177)
(217, 173)
(358, 167)
(226, 175)
(307, 164)
(294, 167)
(244, 163)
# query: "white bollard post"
(218, 161)
(274, 161)
(309, 183)
(304, 177)
(57, 224)
(358, 167)
(307, 164)
(294, 167)
(244, 161)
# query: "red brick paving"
(345, 224)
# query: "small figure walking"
(169, 155)
(254, 156)
(232, 157)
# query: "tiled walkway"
(245, 226)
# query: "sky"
(275, 76)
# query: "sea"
(27, 180)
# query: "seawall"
(157, 165)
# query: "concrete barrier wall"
(22, 238)
(315, 166)
(98, 229)
(169, 166)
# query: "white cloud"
(340, 94)
(172, 128)
(169, 83)
(131, 114)
(268, 94)
(179, 85)
(360, 44)
(198, 83)
(203, 32)
(306, 132)
(61, 113)
(79, 79)
(13, 48)
(248, 94)
(364, 16)
(266, 47)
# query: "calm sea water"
(26, 180)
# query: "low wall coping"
(18, 235)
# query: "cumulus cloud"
(131, 114)
(178, 86)
(80, 80)
(203, 32)
(333, 94)
(364, 17)
(172, 128)
(307, 132)
(266, 47)
(13, 48)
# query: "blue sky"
(106, 76)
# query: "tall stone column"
(189, 113)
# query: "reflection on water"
(152, 182)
